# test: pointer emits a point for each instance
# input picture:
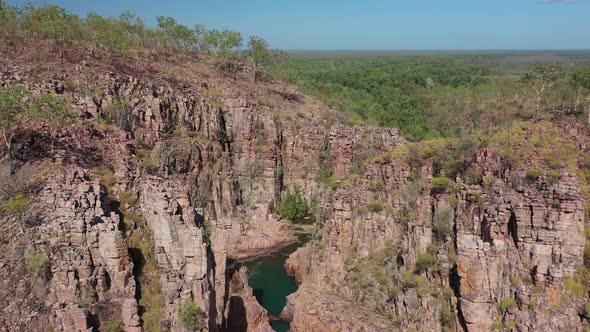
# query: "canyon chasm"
(162, 206)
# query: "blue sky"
(375, 24)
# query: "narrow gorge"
(167, 190)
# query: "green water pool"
(271, 284)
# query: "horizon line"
(430, 49)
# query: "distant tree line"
(49, 22)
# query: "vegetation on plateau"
(127, 35)
(434, 95)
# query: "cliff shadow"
(237, 321)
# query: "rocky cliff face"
(148, 210)
(169, 179)
(498, 254)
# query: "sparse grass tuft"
(36, 262)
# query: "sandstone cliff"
(151, 195)
(502, 252)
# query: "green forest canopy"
(433, 95)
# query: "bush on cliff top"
(441, 185)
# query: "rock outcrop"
(90, 264)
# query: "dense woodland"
(435, 95)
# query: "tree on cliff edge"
(53, 23)
(581, 80)
(12, 116)
(258, 51)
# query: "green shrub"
(510, 324)
(552, 162)
(553, 177)
(152, 301)
(573, 286)
(377, 186)
(532, 175)
(325, 177)
(424, 262)
(507, 303)
(532, 305)
(112, 326)
(86, 295)
(537, 290)
(361, 211)
(16, 205)
(119, 113)
(108, 178)
(192, 316)
(474, 177)
(294, 205)
(441, 185)
(36, 262)
(410, 281)
(443, 220)
(149, 158)
(497, 325)
(375, 206)
(452, 254)
(514, 281)
(393, 291)
(207, 226)
(447, 318)
(488, 181)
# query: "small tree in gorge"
(258, 50)
(541, 77)
(54, 112)
(192, 316)
(294, 205)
